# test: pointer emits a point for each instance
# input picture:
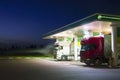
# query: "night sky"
(28, 20)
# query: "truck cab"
(92, 50)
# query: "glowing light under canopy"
(86, 29)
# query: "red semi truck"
(92, 51)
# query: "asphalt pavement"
(47, 69)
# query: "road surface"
(44, 69)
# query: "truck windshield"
(84, 47)
(88, 47)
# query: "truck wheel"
(88, 62)
(64, 58)
(97, 62)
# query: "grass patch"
(23, 56)
(31, 53)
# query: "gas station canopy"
(93, 23)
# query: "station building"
(69, 36)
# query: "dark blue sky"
(28, 20)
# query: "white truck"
(64, 50)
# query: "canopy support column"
(114, 44)
(75, 48)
